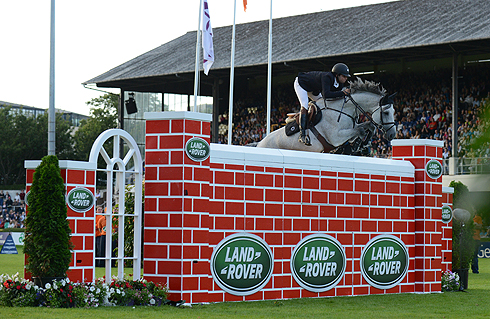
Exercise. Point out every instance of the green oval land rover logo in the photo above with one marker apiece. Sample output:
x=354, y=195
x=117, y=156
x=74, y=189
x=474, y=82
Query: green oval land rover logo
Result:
x=433, y=169
x=242, y=264
x=197, y=149
x=80, y=199
x=447, y=214
x=26, y=198
x=384, y=261
x=318, y=262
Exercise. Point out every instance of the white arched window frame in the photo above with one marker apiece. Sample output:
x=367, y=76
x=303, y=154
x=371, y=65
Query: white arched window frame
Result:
x=116, y=169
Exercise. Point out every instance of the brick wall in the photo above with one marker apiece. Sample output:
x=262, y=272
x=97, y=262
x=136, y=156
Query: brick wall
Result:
x=82, y=225
x=428, y=208
x=282, y=197
x=447, y=230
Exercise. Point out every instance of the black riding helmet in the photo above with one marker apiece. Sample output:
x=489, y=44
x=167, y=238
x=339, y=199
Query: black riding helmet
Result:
x=341, y=68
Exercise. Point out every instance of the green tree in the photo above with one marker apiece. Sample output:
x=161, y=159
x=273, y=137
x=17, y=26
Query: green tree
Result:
x=463, y=243
x=480, y=146
x=103, y=116
x=26, y=138
x=48, y=236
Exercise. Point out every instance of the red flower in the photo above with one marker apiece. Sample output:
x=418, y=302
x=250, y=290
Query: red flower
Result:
x=61, y=290
x=18, y=287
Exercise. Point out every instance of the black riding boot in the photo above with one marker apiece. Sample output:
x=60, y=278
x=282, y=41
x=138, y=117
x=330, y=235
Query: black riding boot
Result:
x=303, y=125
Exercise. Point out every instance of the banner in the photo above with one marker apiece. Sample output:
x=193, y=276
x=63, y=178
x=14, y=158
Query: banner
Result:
x=207, y=39
x=9, y=246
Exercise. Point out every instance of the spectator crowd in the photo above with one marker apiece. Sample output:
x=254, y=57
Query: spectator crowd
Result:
x=13, y=210
x=423, y=109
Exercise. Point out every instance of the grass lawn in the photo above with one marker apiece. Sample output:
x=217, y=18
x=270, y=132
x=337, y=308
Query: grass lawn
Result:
x=473, y=303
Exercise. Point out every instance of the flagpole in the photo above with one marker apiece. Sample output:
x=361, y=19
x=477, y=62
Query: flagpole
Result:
x=198, y=55
x=269, y=76
x=51, y=110
x=232, y=78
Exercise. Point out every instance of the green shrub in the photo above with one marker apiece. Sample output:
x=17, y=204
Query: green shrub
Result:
x=47, y=242
x=463, y=242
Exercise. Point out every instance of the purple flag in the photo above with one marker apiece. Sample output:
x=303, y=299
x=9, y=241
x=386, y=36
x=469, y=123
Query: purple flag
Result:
x=207, y=39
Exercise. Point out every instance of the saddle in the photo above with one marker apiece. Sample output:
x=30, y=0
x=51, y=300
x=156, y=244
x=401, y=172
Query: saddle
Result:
x=314, y=117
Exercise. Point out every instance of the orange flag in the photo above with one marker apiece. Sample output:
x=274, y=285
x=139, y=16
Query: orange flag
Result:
x=245, y=5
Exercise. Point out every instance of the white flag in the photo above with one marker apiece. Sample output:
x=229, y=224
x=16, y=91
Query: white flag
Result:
x=207, y=39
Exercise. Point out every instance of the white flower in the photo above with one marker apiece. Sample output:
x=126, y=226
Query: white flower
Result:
x=55, y=286
x=118, y=291
x=48, y=285
x=152, y=301
x=111, y=291
x=98, y=291
x=92, y=288
x=123, y=293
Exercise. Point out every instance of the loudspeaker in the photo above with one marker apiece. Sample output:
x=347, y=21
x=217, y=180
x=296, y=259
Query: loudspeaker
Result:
x=131, y=105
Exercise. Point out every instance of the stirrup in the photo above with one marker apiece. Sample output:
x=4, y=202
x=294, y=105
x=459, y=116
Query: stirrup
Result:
x=305, y=139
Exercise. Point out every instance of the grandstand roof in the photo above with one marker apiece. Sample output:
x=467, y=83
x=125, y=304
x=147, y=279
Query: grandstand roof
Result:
x=392, y=32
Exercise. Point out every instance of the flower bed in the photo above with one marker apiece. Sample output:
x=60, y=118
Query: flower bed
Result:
x=450, y=281
x=19, y=292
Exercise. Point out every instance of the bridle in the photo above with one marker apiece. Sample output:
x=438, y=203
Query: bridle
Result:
x=381, y=126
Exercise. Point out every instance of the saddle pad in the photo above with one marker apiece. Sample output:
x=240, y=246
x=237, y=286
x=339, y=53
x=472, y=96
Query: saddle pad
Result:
x=291, y=128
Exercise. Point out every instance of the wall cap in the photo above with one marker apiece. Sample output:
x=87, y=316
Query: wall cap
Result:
x=183, y=115
x=417, y=142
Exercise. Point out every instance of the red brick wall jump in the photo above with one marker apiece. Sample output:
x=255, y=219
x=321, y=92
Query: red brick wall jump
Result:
x=82, y=225
x=282, y=197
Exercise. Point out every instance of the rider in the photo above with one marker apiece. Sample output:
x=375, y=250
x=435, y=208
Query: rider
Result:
x=317, y=85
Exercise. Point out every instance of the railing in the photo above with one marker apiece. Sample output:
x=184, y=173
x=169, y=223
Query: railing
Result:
x=468, y=165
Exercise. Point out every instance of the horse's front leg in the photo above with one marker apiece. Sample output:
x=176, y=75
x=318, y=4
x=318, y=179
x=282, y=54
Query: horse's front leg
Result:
x=364, y=129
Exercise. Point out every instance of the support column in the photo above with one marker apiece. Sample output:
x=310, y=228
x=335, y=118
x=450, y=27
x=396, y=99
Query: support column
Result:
x=176, y=248
x=428, y=212
x=215, y=132
x=453, y=164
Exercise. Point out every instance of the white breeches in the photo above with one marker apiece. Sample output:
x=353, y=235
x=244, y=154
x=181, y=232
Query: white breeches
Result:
x=303, y=95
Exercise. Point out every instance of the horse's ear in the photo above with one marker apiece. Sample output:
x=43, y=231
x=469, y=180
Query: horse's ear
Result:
x=391, y=98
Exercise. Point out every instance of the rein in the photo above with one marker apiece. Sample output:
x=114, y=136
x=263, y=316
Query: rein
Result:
x=366, y=114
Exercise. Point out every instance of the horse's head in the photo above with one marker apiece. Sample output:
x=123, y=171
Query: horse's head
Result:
x=375, y=101
x=385, y=115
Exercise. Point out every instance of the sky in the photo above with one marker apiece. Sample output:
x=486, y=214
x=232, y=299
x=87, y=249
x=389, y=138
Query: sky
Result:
x=94, y=36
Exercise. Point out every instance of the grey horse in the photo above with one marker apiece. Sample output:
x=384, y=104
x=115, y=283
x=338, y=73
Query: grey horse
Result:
x=339, y=123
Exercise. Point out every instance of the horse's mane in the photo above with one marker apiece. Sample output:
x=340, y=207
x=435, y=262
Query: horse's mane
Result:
x=366, y=86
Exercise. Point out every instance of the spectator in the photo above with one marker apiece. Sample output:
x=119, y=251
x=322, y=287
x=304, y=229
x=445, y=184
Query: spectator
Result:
x=22, y=196
x=100, y=234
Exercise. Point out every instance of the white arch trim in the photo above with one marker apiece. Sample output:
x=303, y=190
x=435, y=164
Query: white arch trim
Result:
x=112, y=163
x=107, y=134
